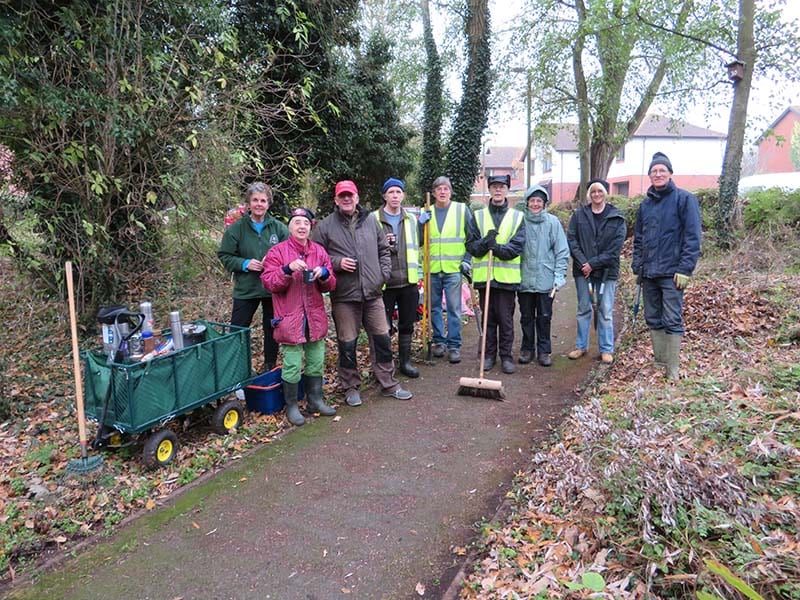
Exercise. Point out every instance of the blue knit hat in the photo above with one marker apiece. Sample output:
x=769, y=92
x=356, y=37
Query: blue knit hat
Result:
x=392, y=182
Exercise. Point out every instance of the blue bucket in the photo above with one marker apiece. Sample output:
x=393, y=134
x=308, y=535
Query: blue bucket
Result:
x=265, y=393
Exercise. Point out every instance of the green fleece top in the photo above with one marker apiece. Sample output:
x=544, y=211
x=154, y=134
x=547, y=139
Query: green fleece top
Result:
x=242, y=242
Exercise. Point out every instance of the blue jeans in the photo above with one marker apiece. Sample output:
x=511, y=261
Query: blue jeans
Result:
x=663, y=305
x=448, y=284
x=605, y=314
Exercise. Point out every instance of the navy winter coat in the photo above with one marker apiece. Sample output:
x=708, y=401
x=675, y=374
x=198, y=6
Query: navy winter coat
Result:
x=599, y=246
x=666, y=239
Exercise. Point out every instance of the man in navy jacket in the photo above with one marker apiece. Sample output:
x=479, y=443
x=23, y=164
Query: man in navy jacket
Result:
x=666, y=247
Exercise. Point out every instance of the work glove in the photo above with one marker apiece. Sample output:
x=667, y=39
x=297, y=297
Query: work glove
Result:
x=466, y=269
x=424, y=216
x=681, y=280
x=489, y=240
x=559, y=281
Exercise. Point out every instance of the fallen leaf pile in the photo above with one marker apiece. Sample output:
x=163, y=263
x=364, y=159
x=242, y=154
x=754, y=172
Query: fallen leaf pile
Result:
x=649, y=482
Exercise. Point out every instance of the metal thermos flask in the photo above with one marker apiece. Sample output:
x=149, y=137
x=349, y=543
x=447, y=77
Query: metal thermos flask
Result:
x=146, y=308
x=176, y=328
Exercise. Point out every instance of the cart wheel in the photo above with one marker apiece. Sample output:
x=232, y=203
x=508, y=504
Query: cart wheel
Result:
x=228, y=416
x=160, y=448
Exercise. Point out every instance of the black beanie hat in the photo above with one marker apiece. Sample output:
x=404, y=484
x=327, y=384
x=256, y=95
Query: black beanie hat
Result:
x=659, y=158
x=302, y=212
x=602, y=182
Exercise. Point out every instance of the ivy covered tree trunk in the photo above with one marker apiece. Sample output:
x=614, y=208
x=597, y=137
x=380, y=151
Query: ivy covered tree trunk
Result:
x=464, y=148
x=734, y=147
x=433, y=111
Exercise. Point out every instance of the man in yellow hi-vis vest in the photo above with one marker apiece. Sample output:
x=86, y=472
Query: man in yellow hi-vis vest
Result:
x=503, y=235
x=452, y=227
x=402, y=233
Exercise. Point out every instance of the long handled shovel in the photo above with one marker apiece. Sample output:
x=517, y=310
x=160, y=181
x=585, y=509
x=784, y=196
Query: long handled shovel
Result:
x=85, y=463
x=427, y=333
x=480, y=387
x=636, y=305
x=476, y=308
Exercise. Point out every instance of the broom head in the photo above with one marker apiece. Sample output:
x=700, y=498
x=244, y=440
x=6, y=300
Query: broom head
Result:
x=481, y=388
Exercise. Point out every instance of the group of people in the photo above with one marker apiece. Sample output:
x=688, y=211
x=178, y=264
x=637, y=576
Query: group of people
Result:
x=370, y=264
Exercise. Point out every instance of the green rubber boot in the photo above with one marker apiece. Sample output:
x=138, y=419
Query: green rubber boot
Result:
x=659, y=339
x=290, y=398
x=315, y=403
x=673, y=356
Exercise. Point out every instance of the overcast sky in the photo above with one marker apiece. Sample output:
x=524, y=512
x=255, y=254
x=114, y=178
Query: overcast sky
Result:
x=762, y=109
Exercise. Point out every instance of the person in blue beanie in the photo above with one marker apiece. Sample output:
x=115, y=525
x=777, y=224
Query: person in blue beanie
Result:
x=666, y=248
x=402, y=234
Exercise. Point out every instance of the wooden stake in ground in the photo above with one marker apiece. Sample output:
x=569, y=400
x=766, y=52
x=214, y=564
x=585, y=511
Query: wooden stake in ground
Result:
x=427, y=337
x=480, y=387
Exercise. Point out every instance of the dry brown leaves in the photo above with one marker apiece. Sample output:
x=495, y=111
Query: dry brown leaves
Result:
x=622, y=466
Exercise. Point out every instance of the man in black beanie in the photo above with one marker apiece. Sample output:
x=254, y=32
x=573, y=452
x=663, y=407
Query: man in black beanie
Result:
x=666, y=247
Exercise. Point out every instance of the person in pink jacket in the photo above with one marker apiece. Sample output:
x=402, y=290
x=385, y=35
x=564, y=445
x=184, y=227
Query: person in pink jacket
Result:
x=297, y=271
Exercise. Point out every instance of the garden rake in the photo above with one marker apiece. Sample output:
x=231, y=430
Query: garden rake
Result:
x=85, y=463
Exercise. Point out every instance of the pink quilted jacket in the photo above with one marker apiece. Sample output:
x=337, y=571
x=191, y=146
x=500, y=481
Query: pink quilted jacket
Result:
x=296, y=303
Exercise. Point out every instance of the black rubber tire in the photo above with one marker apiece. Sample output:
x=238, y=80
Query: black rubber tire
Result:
x=160, y=449
x=228, y=415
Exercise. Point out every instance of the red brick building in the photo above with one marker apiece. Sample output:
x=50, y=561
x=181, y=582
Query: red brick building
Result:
x=775, y=144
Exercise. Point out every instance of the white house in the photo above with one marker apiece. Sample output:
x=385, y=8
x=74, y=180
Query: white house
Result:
x=695, y=152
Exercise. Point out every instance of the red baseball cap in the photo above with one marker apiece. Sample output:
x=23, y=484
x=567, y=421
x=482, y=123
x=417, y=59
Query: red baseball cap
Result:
x=345, y=186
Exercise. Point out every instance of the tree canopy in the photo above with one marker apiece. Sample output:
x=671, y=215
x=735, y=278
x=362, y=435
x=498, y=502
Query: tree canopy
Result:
x=115, y=113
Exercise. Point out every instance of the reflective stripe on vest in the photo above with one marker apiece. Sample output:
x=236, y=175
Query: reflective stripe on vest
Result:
x=412, y=244
x=449, y=245
x=503, y=271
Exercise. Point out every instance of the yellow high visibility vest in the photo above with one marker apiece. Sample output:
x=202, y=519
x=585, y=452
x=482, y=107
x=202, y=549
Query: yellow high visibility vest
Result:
x=411, y=236
x=503, y=271
x=448, y=246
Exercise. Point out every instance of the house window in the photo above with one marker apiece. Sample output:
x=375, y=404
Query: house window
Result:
x=621, y=154
x=547, y=163
x=621, y=188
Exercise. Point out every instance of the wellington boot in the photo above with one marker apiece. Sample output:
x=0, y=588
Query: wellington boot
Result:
x=659, y=339
x=290, y=398
x=404, y=352
x=673, y=356
x=315, y=402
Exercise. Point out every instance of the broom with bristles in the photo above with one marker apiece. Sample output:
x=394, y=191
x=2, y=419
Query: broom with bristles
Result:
x=480, y=387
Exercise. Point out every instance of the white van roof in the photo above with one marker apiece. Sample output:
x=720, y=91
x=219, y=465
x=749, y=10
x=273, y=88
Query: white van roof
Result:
x=765, y=181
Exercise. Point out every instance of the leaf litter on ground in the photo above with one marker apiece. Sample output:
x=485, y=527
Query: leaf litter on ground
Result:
x=646, y=479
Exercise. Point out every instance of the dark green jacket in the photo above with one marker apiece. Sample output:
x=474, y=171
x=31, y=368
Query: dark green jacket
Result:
x=242, y=242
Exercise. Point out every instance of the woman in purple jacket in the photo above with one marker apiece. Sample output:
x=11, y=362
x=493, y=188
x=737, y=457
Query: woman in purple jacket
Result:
x=297, y=272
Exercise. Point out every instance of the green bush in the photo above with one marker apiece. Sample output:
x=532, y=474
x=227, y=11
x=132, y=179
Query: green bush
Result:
x=767, y=209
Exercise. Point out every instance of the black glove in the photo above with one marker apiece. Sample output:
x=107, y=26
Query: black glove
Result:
x=488, y=241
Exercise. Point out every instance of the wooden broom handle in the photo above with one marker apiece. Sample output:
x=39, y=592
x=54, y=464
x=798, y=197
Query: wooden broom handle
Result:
x=76, y=362
x=486, y=311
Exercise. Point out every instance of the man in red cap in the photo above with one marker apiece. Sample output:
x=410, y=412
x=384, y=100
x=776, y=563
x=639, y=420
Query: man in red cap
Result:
x=361, y=260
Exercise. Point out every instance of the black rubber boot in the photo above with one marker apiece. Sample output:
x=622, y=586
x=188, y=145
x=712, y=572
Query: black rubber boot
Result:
x=290, y=398
x=315, y=402
x=404, y=351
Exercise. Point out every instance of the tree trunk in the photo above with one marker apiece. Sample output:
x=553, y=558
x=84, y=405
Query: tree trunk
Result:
x=734, y=147
x=464, y=148
x=433, y=110
x=582, y=107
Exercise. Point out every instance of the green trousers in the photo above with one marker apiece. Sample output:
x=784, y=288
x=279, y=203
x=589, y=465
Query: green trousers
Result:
x=292, y=367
